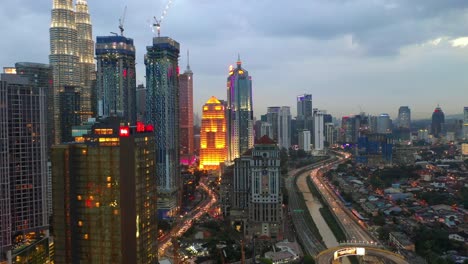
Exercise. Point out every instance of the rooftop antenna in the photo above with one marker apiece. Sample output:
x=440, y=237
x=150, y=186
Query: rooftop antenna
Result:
x=157, y=22
x=122, y=21
x=188, y=60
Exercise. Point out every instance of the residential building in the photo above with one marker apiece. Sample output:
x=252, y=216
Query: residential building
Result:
x=162, y=111
x=24, y=223
x=240, y=136
x=105, y=196
x=304, y=140
x=330, y=134
x=116, y=78
x=213, y=135
x=319, y=138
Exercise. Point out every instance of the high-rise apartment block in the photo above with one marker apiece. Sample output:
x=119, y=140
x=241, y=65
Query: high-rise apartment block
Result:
x=319, y=136
x=24, y=223
x=116, y=78
x=104, y=193
x=304, y=140
x=213, y=135
x=186, y=111
x=330, y=134
x=239, y=112
x=162, y=111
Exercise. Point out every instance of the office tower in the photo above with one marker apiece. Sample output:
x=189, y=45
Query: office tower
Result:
x=273, y=117
x=86, y=70
x=304, y=140
x=304, y=107
x=24, y=223
x=212, y=135
x=330, y=134
x=116, y=78
x=140, y=102
x=265, y=197
x=438, y=122
x=40, y=75
x=240, y=111
x=305, y=117
x=162, y=110
x=69, y=100
x=284, y=127
x=384, y=124
x=63, y=54
x=372, y=123
x=375, y=149
x=423, y=134
x=318, y=131
x=350, y=128
x=404, y=117
x=465, y=122
x=186, y=110
x=105, y=196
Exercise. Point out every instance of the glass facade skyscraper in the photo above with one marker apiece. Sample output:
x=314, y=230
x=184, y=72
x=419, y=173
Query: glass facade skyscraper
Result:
x=404, y=117
x=24, y=223
x=438, y=122
x=186, y=111
x=105, y=196
x=116, y=78
x=162, y=110
x=239, y=112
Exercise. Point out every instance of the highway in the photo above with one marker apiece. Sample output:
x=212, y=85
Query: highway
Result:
x=186, y=221
x=311, y=244
x=385, y=256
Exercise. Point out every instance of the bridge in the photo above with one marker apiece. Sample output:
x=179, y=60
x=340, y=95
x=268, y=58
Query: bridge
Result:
x=358, y=248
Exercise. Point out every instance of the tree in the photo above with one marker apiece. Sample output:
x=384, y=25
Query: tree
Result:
x=266, y=261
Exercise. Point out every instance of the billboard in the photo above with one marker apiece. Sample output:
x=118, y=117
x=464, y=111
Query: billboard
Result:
x=344, y=252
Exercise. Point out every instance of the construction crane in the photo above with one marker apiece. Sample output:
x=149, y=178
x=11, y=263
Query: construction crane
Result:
x=122, y=21
x=157, y=22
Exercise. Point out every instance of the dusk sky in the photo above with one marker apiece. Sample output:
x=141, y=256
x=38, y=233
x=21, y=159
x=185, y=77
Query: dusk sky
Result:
x=351, y=55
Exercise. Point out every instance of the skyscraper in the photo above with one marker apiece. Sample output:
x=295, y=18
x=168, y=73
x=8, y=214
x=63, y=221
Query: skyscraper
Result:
x=465, y=122
x=318, y=131
x=86, y=69
x=105, y=196
x=140, y=102
x=213, y=135
x=40, y=75
x=304, y=140
x=69, y=100
x=284, y=127
x=384, y=124
x=24, y=224
x=264, y=195
x=273, y=117
x=116, y=78
x=404, y=117
x=240, y=111
x=186, y=110
x=63, y=54
x=438, y=122
x=304, y=113
x=162, y=110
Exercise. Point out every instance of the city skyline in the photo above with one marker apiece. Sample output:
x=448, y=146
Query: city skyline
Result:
x=392, y=47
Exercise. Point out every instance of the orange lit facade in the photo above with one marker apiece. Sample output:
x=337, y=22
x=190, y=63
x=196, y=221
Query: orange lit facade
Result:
x=213, y=135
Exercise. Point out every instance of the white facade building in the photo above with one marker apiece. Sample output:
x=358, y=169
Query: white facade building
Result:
x=319, y=138
x=304, y=140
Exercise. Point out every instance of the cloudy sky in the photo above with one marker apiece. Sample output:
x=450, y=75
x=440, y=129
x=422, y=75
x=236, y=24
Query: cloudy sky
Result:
x=351, y=55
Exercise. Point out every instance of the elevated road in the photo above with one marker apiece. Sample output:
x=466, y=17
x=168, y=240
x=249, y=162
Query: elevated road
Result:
x=387, y=257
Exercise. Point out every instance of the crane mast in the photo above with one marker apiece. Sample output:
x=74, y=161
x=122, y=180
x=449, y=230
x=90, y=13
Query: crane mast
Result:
x=157, y=22
x=122, y=21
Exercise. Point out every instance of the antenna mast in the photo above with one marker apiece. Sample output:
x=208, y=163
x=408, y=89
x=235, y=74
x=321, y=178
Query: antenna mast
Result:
x=157, y=22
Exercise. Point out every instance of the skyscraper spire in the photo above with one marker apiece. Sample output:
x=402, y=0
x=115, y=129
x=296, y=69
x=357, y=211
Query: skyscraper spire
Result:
x=238, y=60
x=188, y=60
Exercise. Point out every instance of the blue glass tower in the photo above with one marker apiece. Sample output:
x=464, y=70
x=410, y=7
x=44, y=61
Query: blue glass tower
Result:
x=240, y=112
x=162, y=110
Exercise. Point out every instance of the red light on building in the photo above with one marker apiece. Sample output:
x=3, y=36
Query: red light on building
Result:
x=140, y=127
x=124, y=131
x=125, y=73
x=149, y=128
x=89, y=203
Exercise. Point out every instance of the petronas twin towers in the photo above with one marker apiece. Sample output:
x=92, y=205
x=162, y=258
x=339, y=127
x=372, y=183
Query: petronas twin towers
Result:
x=71, y=57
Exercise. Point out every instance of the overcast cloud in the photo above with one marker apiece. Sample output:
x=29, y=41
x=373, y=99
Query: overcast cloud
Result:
x=352, y=55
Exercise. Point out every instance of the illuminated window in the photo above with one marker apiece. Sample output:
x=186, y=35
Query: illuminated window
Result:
x=109, y=179
x=85, y=236
x=109, y=185
x=80, y=223
x=116, y=212
x=79, y=198
x=98, y=204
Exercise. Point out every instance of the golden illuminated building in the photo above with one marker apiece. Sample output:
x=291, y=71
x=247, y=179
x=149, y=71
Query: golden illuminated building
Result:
x=213, y=135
